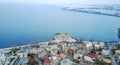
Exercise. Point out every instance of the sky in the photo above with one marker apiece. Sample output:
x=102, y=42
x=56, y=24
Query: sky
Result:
x=65, y=2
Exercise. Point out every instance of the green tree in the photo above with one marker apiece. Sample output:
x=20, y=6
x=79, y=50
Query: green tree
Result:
x=97, y=62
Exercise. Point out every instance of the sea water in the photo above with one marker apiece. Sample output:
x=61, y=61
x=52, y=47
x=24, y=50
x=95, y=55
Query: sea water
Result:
x=25, y=23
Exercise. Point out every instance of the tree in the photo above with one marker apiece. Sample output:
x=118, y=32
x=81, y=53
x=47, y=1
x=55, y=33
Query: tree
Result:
x=97, y=62
x=32, y=60
x=14, y=50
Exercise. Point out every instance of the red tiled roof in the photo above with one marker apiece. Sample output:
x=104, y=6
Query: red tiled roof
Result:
x=93, y=55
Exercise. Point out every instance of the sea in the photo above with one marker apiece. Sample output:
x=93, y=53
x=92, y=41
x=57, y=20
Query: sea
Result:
x=22, y=24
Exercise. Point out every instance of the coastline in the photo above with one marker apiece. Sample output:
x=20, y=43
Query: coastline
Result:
x=43, y=43
x=59, y=49
x=22, y=46
x=87, y=10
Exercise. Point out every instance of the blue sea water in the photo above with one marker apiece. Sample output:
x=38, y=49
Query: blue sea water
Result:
x=25, y=23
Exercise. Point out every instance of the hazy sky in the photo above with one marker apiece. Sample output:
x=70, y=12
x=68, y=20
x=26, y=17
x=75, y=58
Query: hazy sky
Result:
x=60, y=2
